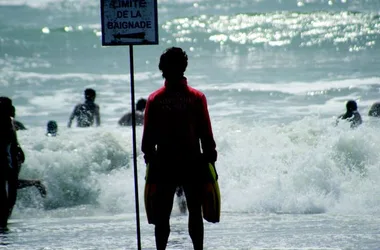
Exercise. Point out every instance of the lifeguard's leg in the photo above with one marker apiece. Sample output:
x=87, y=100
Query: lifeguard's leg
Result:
x=194, y=203
x=165, y=193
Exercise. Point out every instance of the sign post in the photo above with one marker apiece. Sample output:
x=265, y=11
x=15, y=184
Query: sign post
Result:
x=130, y=22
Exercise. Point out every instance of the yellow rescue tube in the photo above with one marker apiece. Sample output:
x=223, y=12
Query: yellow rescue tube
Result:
x=211, y=196
x=150, y=192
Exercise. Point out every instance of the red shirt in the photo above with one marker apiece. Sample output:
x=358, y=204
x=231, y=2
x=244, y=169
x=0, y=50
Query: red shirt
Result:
x=176, y=122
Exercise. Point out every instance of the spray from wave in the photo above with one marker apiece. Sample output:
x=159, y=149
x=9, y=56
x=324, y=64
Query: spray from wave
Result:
x=306, y=166
x=72, y=165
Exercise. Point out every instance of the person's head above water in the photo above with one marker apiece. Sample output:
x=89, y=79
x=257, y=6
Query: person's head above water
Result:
x=51, y=128
x=140, y=105
x=89, y=94
x=374, y=111
x=351, y=106
x=6, y=107
x=173, y=63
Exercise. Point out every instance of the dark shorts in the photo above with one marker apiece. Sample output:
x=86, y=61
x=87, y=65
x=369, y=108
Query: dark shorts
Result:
x=165, y=198
x=169, y=177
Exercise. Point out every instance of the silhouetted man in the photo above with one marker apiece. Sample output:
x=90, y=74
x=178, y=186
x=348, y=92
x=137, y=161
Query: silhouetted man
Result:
x=176, y=126
x=86, y=113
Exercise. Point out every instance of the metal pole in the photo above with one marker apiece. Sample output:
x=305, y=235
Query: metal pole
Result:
x=134, y=146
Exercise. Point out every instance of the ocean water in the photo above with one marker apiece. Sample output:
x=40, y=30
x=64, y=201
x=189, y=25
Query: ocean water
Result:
x=276, y=74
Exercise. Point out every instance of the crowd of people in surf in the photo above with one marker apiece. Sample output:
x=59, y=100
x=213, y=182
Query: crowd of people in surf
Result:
x=86, y=114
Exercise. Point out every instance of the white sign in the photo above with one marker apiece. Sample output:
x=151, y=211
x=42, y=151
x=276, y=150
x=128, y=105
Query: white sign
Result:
x=129, y=22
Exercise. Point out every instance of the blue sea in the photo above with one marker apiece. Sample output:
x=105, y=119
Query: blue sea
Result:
x=276, y=74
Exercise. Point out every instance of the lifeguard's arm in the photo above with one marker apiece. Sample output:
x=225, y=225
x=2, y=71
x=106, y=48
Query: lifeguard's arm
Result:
x=148, y=145
x=72, y=116
x=206, y=135
x=97, y=115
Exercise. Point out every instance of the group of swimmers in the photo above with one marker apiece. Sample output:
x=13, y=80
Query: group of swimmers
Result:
x=87, y=114
x=353, y=116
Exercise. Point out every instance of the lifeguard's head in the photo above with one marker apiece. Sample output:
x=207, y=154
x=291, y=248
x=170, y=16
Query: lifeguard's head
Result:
x=173, y=63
